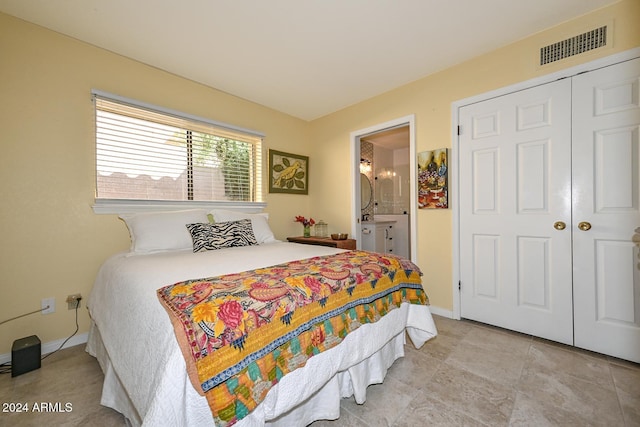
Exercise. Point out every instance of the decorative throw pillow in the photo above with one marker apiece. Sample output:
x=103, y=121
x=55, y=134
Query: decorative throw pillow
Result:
x=208, y=237
x=162, y=231
x=259, y=222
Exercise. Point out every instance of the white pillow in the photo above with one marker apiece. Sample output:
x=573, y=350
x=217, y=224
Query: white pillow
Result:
x=162, y=231
x=259, y=223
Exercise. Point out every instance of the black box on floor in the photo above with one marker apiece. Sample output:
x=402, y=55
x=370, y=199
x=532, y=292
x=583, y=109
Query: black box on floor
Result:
x=25, y=355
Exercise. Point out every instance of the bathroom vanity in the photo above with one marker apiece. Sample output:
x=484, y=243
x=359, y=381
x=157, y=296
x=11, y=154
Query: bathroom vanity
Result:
x=377, y=236
x=387, y=234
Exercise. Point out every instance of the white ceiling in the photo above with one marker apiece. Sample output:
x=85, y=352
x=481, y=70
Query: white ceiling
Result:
x=307, y=58
x=391, y=139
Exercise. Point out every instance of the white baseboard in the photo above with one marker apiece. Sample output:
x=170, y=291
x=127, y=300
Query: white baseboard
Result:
x=53, y=345
x=441, y=312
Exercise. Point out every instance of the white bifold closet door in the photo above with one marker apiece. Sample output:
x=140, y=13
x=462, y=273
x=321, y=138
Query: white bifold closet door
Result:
x=549, y=200
x=515, y=173
x=606, y=210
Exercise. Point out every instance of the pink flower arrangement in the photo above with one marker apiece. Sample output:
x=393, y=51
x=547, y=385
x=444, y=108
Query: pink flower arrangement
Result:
x=306, y=222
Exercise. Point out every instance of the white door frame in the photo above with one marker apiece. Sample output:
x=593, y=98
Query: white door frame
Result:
x=355, y=137
x=454, y=190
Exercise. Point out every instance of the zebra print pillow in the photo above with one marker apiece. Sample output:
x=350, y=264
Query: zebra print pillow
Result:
x=208, y=237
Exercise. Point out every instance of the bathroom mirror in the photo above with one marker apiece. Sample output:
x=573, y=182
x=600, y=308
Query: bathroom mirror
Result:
x=365, y=191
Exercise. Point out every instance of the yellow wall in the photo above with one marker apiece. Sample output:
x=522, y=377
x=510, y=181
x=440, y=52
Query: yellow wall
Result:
x=430, y=100
x=53, y=243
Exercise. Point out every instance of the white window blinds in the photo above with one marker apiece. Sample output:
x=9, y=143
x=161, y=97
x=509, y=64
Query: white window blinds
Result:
x=145, y=153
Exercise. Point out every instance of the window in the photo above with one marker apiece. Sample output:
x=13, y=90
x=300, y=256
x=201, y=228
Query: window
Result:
x=148, y=153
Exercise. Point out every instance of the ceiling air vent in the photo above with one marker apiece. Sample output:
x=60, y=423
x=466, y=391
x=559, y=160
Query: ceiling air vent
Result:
x=575, y=45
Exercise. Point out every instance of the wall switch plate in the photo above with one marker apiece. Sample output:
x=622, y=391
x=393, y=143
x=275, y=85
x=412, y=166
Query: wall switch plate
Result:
x=51, y=303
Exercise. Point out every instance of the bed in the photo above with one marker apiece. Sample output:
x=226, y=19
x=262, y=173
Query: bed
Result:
x=146, y=370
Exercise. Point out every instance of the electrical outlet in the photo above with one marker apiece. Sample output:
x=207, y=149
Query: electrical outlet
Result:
x=48, y=305
x=73, y=301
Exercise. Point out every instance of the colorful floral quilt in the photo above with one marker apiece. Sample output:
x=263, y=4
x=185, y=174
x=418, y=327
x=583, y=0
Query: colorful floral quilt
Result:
x=240, y=333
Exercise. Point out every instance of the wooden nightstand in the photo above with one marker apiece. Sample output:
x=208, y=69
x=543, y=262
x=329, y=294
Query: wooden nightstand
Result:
x=324, y=241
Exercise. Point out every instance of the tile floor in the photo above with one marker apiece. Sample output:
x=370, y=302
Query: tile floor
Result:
x=477, y=375
x=470, y=374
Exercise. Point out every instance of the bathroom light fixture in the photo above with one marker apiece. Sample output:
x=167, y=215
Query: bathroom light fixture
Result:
x=365, y=165
x=386, y=173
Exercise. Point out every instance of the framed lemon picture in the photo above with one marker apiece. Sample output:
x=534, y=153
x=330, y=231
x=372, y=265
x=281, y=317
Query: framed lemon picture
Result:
x=288, y=173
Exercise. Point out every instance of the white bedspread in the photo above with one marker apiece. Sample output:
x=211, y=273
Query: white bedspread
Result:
x=141, y=355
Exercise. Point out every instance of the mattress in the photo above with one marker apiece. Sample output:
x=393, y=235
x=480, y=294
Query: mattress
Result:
x=145, y=372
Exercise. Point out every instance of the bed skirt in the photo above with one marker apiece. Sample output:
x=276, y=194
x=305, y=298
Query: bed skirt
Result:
x=369, y=366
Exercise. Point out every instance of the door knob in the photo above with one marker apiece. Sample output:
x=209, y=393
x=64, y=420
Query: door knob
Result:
x=584, y=226
x=559, y=225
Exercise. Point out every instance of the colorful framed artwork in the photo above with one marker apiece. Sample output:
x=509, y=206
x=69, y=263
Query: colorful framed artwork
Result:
x=288, y=173
x=433, y=182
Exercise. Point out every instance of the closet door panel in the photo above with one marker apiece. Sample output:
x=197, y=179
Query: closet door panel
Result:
x=606, y=209
x=515, y=175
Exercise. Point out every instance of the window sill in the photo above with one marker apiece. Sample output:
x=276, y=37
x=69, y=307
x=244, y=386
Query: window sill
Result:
x=116, y=206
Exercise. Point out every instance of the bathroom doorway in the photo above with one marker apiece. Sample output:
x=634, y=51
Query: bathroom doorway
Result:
x=384, y=183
